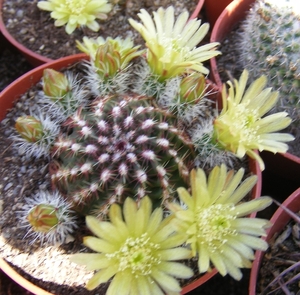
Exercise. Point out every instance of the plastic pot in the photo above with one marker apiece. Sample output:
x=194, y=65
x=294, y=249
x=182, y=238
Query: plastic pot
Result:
x=13, y=91
x=226, y=22
x=33, y=58
x=279, y=221
x=214, y=8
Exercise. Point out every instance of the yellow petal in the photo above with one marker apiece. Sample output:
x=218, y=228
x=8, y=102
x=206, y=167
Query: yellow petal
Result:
x=101, y=276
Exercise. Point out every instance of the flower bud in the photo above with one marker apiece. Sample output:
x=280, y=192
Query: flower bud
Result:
x=192, y=87
x=43, y=218
x=29, y=128
x=56, y=84
x=107, y=60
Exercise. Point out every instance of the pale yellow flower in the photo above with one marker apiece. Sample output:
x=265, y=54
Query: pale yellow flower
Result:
x=137, y=251
x=241, y=128
x=76, y=13
x=214, y=220
x=172, y=43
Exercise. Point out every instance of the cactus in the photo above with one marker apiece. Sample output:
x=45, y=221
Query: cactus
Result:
x=270, y=45
x=122, y=146
x=132, y=124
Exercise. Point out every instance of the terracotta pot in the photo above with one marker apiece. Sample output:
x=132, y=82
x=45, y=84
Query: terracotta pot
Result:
x=197, y=9
x=229, y=18
x=12, y=92
x=2, y=42
x=32, y=57
x=279, y=221
x=214, y=8
x=36, y=59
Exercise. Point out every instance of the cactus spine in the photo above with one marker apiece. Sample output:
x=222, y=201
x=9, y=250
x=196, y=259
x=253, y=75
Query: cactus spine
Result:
x=270, y=45
x=122, y=146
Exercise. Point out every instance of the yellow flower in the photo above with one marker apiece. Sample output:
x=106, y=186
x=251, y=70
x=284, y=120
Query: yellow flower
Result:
x=172, y=44
x=76, y=13
x=240, y=127
x=213, y=220
x=137, y=251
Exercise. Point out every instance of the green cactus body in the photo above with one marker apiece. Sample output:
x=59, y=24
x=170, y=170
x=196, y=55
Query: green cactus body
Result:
x=122, y=146
x=270, y=45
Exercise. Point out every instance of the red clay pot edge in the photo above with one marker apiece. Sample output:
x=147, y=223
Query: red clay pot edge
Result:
x=197, y=9
x=214, y=8
x=230, y=16
x=279, y=220
x=33, y=58
x=23, y=83
x=7, y=269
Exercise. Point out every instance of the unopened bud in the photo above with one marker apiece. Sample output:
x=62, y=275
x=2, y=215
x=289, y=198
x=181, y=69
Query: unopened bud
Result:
x=55, y=84
x=29, y=128
x=43, y=218
x=192, y=87
x=107, y=60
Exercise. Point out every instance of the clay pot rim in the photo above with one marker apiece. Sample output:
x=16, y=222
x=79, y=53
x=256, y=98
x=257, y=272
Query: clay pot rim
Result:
x=279, y=220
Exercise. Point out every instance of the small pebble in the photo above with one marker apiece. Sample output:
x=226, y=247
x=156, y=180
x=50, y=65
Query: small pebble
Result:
x=8, y=186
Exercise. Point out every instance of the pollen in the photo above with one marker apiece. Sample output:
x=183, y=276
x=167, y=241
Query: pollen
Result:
x=76, y=7
x=139, y=255
x=214, y=225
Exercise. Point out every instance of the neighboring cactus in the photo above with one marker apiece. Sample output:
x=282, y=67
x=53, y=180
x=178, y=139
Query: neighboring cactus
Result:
x=122, y=146
x=270, y=45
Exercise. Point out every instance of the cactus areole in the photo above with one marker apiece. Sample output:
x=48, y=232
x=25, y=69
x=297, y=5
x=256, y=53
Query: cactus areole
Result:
x=120, y=146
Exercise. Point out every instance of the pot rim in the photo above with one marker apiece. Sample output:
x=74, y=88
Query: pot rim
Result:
x=279, y=220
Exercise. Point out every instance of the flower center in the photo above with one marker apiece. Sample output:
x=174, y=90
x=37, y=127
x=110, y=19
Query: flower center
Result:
x=214, y=225
x=137, y=255
x=77, y=6
x=242, y=124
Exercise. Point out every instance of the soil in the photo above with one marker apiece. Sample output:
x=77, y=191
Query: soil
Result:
x=283, y=253
x=36, y=31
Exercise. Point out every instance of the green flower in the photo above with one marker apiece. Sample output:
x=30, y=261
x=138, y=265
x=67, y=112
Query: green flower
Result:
x=124, y=46
x=213, y=220
x=138, y=251
x=240, y=127
x=172, y=44
x=114, y=55
x=76, y=13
